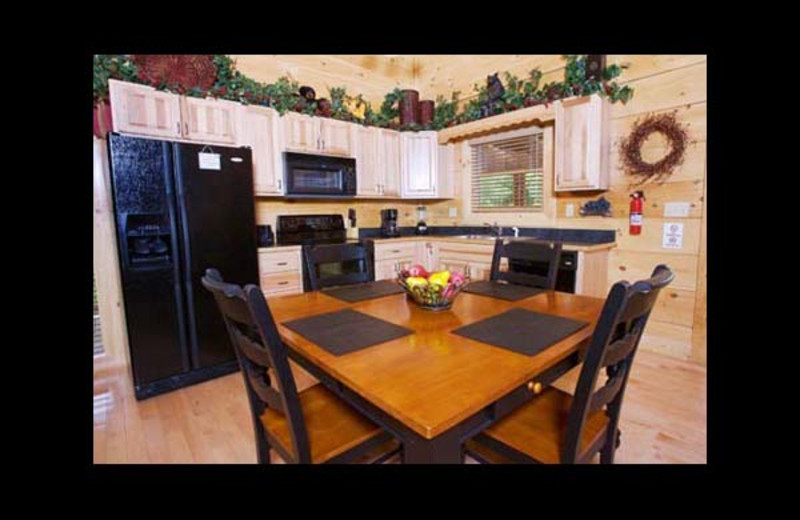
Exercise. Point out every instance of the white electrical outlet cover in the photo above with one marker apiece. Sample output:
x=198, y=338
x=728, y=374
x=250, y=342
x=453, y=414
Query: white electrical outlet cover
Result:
x=453, y=212
x=570, y=210
x=676, y=209
x=672, y=237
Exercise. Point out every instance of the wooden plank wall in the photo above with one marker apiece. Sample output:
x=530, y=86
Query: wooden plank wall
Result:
x=662, y=83
x=371, y=75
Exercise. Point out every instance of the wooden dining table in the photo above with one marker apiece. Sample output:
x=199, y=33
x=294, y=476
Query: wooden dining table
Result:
x=434, y=389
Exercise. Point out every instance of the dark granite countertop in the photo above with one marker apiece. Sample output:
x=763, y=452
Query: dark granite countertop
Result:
x=568, y=236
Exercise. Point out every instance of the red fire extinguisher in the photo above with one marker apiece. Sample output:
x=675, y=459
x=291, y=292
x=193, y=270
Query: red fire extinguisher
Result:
x=637, y=198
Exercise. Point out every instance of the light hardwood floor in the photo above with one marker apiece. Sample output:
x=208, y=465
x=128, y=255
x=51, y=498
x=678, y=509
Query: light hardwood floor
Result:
x=663, y=418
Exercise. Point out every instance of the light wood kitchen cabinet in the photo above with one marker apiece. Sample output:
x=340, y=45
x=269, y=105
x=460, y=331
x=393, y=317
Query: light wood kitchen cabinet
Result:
x=454, y=256
x=582, y=143
x=280, y=270
x=419, y=163
x=447, y=170
x=306, y=134
x=143, y=110
x=300, y=133
x=389, y=162
x=336, y=137
x=209, y=120
x=260, y=130
x=390, y=253
x=367, y=150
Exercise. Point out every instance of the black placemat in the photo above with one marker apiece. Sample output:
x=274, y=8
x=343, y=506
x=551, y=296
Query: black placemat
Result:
x=364, y=291
x=346, y=331
x=505, y=291
x=522, y=331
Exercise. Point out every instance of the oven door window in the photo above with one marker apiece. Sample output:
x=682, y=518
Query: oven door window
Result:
x=340, y=268
x=316, y=181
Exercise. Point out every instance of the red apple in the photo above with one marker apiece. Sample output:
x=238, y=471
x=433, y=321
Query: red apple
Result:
x=418, y=270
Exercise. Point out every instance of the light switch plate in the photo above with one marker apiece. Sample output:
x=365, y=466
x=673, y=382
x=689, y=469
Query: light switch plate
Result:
x=453, y=212
x=569, y=210
x=676, y=209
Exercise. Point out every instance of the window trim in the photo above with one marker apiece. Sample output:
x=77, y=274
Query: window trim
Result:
x=512, y=216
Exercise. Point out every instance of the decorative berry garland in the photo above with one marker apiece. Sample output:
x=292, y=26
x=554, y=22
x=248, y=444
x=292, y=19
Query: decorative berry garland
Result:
x=631, y=147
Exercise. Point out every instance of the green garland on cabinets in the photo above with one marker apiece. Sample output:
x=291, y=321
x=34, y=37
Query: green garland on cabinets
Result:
x=282, y=95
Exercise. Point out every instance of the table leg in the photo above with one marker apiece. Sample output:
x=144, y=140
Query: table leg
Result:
x=444, y=449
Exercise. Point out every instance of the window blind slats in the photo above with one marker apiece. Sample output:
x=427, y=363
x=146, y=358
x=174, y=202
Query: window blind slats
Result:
x=507, y=174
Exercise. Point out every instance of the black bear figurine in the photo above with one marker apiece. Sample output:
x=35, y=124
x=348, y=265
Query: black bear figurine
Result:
x=494, y=92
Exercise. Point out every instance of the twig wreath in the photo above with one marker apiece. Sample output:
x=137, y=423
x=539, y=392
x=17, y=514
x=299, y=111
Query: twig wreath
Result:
x=631, y=147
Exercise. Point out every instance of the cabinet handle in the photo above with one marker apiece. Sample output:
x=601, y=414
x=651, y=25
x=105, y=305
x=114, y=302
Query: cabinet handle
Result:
x=395, y=250
x=283, y=283
x=178, y=127
x=279, y=184
x=535, y=387
x=282, y=263
x=186, y=126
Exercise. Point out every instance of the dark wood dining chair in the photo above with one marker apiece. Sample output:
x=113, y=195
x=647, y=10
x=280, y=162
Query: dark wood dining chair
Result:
x=556, y=427
x=544, y=254
x=312, y=426
x=317, y=257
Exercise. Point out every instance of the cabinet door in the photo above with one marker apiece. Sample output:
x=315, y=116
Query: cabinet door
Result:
x=446, y=170
x=389, y=162
x=143, y=110
x=209, y=120
x=419, y=164
x=300, y=133
x=366, y=146
x=582, y=144
x=258, y=129
x=336, y=137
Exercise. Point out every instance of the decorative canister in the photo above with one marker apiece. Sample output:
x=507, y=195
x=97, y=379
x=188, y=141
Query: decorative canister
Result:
x=426, y=111
x=409, y=107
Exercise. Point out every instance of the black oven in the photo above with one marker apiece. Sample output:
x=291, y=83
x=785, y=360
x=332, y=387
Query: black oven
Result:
x=319, y=175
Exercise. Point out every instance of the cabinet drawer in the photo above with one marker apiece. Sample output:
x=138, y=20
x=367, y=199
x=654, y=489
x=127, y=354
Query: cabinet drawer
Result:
x=282, y=283
x=385, y=269
x=456, y=247
x=278, y=261
x=395, y=250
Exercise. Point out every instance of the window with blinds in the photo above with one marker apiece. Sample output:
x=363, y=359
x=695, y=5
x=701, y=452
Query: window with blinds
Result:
x=507, y=174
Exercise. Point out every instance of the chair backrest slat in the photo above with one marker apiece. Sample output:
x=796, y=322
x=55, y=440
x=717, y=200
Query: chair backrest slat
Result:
x=526, y=251
x=619, y=349
x=254, y=352
x=261, y=353
x=317, y=256
x=613, y=347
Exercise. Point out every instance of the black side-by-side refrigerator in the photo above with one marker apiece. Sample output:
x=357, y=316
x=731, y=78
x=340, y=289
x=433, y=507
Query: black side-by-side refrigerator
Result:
x=180, y=208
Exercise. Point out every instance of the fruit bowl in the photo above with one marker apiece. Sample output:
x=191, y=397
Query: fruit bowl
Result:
x=434, y=291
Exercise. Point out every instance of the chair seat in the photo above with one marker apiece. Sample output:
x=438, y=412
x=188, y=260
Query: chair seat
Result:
x=333, y=426
x=538, y=428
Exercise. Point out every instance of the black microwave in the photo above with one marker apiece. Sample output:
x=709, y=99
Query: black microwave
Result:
x=319, y=175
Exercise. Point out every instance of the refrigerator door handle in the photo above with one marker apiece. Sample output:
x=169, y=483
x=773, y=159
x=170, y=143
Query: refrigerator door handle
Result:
x=175, y=228
x=185, y=258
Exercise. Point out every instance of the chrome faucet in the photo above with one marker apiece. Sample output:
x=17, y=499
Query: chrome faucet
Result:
x=516, y=231
x=495, y=229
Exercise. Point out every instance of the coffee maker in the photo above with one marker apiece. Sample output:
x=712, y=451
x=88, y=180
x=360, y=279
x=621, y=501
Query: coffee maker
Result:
x=389, y=223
